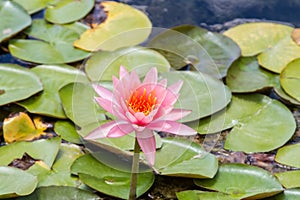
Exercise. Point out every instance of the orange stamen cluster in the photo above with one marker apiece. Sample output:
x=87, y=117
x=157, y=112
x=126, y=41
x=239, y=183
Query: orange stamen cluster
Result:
x=140, y=101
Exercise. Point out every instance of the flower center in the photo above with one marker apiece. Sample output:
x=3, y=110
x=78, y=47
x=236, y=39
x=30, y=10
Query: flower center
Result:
x=141, y=101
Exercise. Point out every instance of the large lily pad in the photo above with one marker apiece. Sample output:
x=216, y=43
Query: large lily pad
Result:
x=109, y=180
x=289, y=179
x=45, y=150
x=290, y=194
x=55, y=47
x=59, y=192
x=16, y=182
x=271, y=41
x=290, y=79
x=17, y=83
x=67, y=11
x=242, y=181
x=53, y=77
x=200, y=93
x=13, y=19
x=201, y=195
x=105, y=64
x=33, y=6
x=67, y=131
x=288, y=155
x=209, y=52
x=190, y=160
x=124, y=26
x=277, y=124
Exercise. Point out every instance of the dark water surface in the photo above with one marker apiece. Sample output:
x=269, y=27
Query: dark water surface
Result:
x=205, y=13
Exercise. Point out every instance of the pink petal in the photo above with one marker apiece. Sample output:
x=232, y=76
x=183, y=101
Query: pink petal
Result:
x=123, y=72
x=151, y=76
x=175, y=88
x=103, y=92
x=120, y=130
x=147, y=143
x=171, y=127
x=101, y=131
x=176, y=114
x=105, y=104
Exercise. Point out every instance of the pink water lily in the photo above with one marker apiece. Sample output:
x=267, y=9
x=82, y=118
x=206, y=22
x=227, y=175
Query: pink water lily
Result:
x=142, y=107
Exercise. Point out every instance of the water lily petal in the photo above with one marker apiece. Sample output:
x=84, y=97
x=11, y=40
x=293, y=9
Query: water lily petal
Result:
x=171, y=127
x=151, y=76
x=102, y=91
x=176, y=114
x=101, y=131
x=120, y=130
x=123, y=72
x=105, y=104
x=147, y=143
x=175, y=88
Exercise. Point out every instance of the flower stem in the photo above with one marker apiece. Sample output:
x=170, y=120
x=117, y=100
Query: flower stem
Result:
x=134, y=170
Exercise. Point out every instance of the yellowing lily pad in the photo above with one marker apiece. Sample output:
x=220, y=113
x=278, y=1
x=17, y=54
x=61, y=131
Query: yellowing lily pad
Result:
x=290, y=79
x=276, y=123
x=242, y=181
x=53, y=77
x=124, y=26
x=66, y=11
x=105, y=64
x=288, y=155
x=55, y=47
x=13, y=19
x=289, y=179
x=17, y=83
x=21, y=128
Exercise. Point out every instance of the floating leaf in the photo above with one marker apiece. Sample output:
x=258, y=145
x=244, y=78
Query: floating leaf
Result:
x=190, y=160
x=59, y=192
x=200, y=93
x=197, y=195
x=67, y=11
x=79, y=105
x=67, y=131
x=55, y=47
x=271, y=41
x=209, y=52
x=290, y=79
x=288, y=155
x=289, y=179
x=109, y=180
x=105, y=64
x=124, y=26
x=277, y=124
x=53, y=78
x=21, y=128
x=45, y=150
x=13, y=19
x=291, y=194
x=245, y=75
x=17, y=83
x=242, y=181
x=33, y=6
x=16, y=182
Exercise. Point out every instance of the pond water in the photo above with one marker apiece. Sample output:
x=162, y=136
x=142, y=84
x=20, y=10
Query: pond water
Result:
x=213, y=14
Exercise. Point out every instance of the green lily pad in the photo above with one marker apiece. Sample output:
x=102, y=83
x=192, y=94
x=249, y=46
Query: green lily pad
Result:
x=79, y=105
x=59, y=192
x=13, y=19
x=242, y=181
x=16, y=182
x=124, y=26
x=55, y=47
x=60, y=172
x=67, y=11
x=209, y=52
x=190, y=160
x=53, y=78
x=33, y=6
x=197, y=195
x=290, y=194
x=17, y=83
x=288, y=155
x=45, y=150
x=200, y=93
x=245, y=75
x=105, y=64
x=290, y=79
x=289, y=179
x=277, y=124
x=271, y=41
x=109, y=180
x=67, y=131
x=254, y=38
